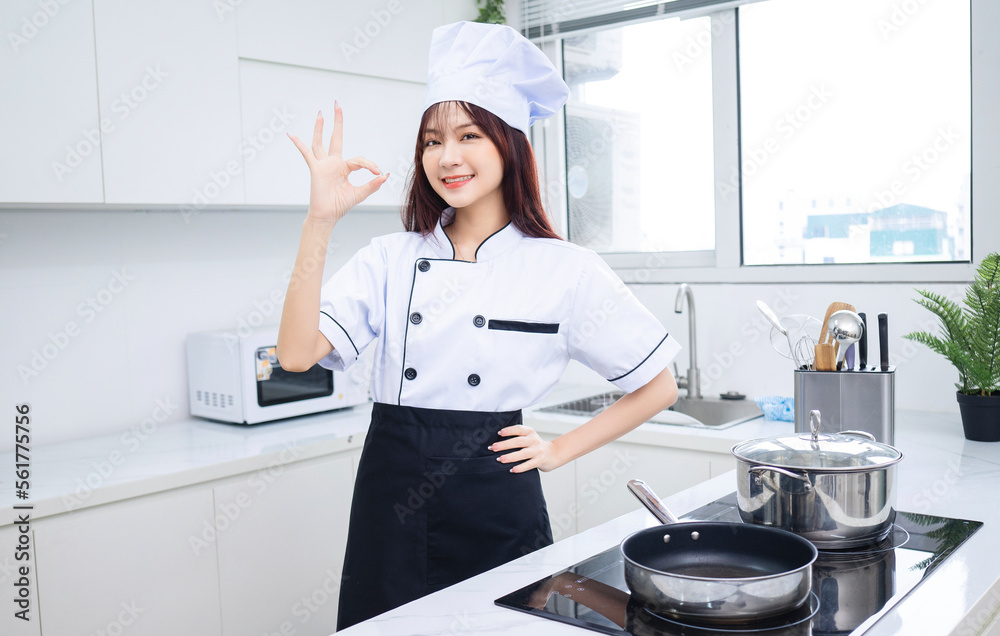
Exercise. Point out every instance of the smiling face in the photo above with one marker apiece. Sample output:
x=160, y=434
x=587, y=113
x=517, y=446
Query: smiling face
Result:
x=462, y=164
x=497, y=157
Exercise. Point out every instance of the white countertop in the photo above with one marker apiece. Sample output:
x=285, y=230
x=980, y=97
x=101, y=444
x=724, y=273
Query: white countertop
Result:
x=941, y=474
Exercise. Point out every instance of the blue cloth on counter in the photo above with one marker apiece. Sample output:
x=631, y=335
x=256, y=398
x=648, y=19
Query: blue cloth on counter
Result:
x=776, y=407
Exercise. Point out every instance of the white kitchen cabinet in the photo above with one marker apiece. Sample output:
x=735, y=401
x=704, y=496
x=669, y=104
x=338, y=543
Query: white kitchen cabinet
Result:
x=719, y=464
x=130, y=567
x=12, y=582
x=282, y=531
x=168, y=86
x=602, y=476
x=50, y=141
x=559, y=488
x=381, y=117
x=375, y=38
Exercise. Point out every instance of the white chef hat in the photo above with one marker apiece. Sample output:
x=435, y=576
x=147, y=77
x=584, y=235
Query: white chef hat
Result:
x=494, y=67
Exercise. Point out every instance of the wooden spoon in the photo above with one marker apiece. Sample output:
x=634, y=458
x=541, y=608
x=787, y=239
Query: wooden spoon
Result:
x=825, y=357
x=825, y=353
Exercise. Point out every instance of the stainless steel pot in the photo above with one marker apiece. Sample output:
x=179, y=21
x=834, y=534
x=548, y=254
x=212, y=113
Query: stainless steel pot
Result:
x=836, y=490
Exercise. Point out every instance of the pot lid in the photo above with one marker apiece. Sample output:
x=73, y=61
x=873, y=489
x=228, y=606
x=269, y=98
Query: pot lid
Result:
x=844, y=451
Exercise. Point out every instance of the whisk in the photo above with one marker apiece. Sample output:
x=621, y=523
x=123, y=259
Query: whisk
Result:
x=801, y=339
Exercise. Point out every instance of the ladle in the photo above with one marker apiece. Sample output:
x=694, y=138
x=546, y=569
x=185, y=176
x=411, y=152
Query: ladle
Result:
x=845, y=327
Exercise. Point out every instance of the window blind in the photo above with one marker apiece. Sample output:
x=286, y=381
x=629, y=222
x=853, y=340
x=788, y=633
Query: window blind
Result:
x=551, y=19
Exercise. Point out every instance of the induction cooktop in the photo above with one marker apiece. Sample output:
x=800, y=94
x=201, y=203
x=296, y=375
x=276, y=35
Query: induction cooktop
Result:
x=851, y=588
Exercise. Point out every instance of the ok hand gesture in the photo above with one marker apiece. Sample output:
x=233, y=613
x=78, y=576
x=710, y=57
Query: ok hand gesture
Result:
x=331, y=195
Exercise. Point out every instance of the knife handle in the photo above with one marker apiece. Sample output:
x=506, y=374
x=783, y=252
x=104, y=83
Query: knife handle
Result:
x=863, y=343
x=883, y=341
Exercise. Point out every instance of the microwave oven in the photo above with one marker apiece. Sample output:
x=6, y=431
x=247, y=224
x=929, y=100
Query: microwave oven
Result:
x=237, y=378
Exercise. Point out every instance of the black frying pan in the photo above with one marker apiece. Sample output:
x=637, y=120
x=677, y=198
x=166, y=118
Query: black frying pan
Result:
x=714, y=571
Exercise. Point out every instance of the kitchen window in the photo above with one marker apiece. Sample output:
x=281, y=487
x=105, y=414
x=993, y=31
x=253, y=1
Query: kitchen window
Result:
x=639, y=168
x=870, y=117
x=833, y=132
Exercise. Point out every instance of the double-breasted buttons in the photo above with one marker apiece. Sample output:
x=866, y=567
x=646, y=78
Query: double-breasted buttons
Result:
x=410, y=373
x=479, y=321
x=415, y=317
x=424, y=265
x=474, y=379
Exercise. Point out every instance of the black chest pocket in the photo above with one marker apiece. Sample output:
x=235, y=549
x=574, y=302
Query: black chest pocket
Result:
x=523, y=326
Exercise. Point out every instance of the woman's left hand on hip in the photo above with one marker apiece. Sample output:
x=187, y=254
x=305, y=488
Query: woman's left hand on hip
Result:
x=531, y=450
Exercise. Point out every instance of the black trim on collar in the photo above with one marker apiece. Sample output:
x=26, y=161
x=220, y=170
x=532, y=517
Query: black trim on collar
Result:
x=521, y=325
x=449, y=242
x=442, y=260
x=476, y=255
x=643, y=360
x=349, y=339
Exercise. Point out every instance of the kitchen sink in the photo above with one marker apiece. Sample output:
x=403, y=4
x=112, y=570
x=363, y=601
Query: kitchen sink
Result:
x=589, y=406
x=712, y=413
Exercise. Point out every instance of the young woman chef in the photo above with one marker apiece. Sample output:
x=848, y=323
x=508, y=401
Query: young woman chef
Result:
x=475, y=312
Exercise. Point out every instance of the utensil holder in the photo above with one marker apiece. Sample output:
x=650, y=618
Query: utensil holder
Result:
x=849, y=400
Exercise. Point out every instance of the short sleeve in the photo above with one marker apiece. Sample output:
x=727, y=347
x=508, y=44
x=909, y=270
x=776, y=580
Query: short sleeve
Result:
x=611, y=332
x=352, y=307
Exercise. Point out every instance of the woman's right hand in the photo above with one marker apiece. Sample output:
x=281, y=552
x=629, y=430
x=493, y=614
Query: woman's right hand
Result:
x=331, y=195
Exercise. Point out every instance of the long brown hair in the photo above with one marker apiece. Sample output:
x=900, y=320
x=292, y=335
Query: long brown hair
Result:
x=520, y=178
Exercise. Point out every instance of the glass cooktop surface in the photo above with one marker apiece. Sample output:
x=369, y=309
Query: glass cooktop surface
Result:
x=851, y=588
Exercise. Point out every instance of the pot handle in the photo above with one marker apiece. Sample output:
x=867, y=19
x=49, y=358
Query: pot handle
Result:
x=649, y=499
x=865, y=434
x=757, y=470
x=814, y=424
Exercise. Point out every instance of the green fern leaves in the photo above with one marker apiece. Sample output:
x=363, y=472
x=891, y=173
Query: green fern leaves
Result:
x=492, y=13
x=970, y=336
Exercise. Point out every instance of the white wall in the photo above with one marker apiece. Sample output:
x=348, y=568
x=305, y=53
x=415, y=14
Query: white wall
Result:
x=154, y=278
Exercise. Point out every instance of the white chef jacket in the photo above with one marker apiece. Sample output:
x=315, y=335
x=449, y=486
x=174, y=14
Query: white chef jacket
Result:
x=493, y=335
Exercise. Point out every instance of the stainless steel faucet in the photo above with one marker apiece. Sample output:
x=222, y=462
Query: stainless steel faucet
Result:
x=692, y=382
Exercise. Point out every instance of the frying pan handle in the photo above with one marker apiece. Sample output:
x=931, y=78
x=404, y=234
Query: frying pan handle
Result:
x=649, y=499
x=757, y=470
x=865, y=434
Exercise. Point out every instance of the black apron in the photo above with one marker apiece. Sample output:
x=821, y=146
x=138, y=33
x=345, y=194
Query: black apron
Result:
x=433, y=507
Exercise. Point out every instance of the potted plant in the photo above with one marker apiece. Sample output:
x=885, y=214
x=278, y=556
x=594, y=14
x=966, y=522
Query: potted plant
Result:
x=492, y=13
x=970, y=340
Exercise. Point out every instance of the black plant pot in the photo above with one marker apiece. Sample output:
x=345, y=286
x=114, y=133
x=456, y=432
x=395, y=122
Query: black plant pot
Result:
x=980, y=416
